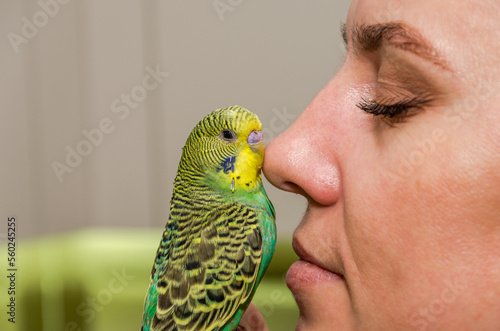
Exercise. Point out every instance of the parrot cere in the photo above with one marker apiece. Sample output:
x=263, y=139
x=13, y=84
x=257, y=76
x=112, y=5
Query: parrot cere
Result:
x=221, y=232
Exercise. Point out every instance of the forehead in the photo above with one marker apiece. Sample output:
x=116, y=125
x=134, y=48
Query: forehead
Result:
x=235, y=118
x=236, y=114
x=466, y=32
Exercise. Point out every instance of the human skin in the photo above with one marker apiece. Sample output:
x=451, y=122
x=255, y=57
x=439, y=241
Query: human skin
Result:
x=402, y=229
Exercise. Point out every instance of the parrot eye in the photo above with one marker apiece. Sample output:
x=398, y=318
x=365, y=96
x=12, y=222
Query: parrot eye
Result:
x=228, y=135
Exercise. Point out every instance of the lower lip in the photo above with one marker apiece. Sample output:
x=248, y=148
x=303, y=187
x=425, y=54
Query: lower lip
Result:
x=303, y=273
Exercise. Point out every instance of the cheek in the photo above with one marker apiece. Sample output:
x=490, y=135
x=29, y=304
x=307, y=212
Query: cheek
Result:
x=404, y=203
x=414, y=204
x=389, y=206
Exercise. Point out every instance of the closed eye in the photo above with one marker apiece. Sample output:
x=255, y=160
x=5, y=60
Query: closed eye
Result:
x=398, y=110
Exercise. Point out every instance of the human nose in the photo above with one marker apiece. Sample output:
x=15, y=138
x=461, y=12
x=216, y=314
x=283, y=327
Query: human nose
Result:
x=304, y=158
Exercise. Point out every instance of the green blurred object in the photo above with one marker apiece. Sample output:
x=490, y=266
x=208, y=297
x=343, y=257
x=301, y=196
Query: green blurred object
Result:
x=96, y=279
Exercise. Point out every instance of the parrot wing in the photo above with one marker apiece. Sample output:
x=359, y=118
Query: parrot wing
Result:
x=212, y=268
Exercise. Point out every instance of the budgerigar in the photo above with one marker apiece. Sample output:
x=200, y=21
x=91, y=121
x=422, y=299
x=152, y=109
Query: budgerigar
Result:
x=221, y=232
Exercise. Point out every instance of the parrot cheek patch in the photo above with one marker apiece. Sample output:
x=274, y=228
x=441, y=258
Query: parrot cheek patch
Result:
x=227, y=164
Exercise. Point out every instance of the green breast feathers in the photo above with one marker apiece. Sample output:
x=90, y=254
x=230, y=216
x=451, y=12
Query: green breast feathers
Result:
x=221, y=232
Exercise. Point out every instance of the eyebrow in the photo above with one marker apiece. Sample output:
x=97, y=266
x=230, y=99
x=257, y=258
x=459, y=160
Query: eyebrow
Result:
x=370, y=38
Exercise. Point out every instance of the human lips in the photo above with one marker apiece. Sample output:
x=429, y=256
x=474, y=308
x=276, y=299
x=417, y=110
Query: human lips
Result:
x=318, y=285
x=309, y=271
x=303, y=273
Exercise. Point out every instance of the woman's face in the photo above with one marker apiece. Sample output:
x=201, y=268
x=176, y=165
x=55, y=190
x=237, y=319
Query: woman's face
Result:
x=402, y=229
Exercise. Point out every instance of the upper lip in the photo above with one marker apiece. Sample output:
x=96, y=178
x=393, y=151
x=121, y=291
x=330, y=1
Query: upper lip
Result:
x=332, y=263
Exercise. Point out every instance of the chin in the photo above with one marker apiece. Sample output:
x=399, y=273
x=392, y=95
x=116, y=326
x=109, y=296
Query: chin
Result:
x=316, y=314
x=322, y=297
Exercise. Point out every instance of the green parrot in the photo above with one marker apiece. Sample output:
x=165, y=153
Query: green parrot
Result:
x=221, y=231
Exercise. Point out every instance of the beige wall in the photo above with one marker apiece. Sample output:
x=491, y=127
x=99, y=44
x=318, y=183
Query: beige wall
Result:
x=69, y=73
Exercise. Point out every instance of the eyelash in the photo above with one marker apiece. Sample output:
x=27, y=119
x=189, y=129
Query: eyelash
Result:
x=398, y=110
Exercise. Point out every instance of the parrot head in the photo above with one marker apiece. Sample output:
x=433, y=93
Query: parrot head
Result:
x=226, y=150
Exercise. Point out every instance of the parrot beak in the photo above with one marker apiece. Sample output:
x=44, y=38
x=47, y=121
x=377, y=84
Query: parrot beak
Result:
x=254, y=140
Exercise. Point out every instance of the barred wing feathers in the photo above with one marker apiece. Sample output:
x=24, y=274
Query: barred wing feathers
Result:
x=210, y=268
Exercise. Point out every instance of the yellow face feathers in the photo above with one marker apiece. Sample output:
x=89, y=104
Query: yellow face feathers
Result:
x=226, y=147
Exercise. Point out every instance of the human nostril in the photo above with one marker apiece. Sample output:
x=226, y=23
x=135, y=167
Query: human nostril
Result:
x=290, y=186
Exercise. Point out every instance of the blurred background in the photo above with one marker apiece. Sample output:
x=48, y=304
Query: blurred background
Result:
x=97, y=98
